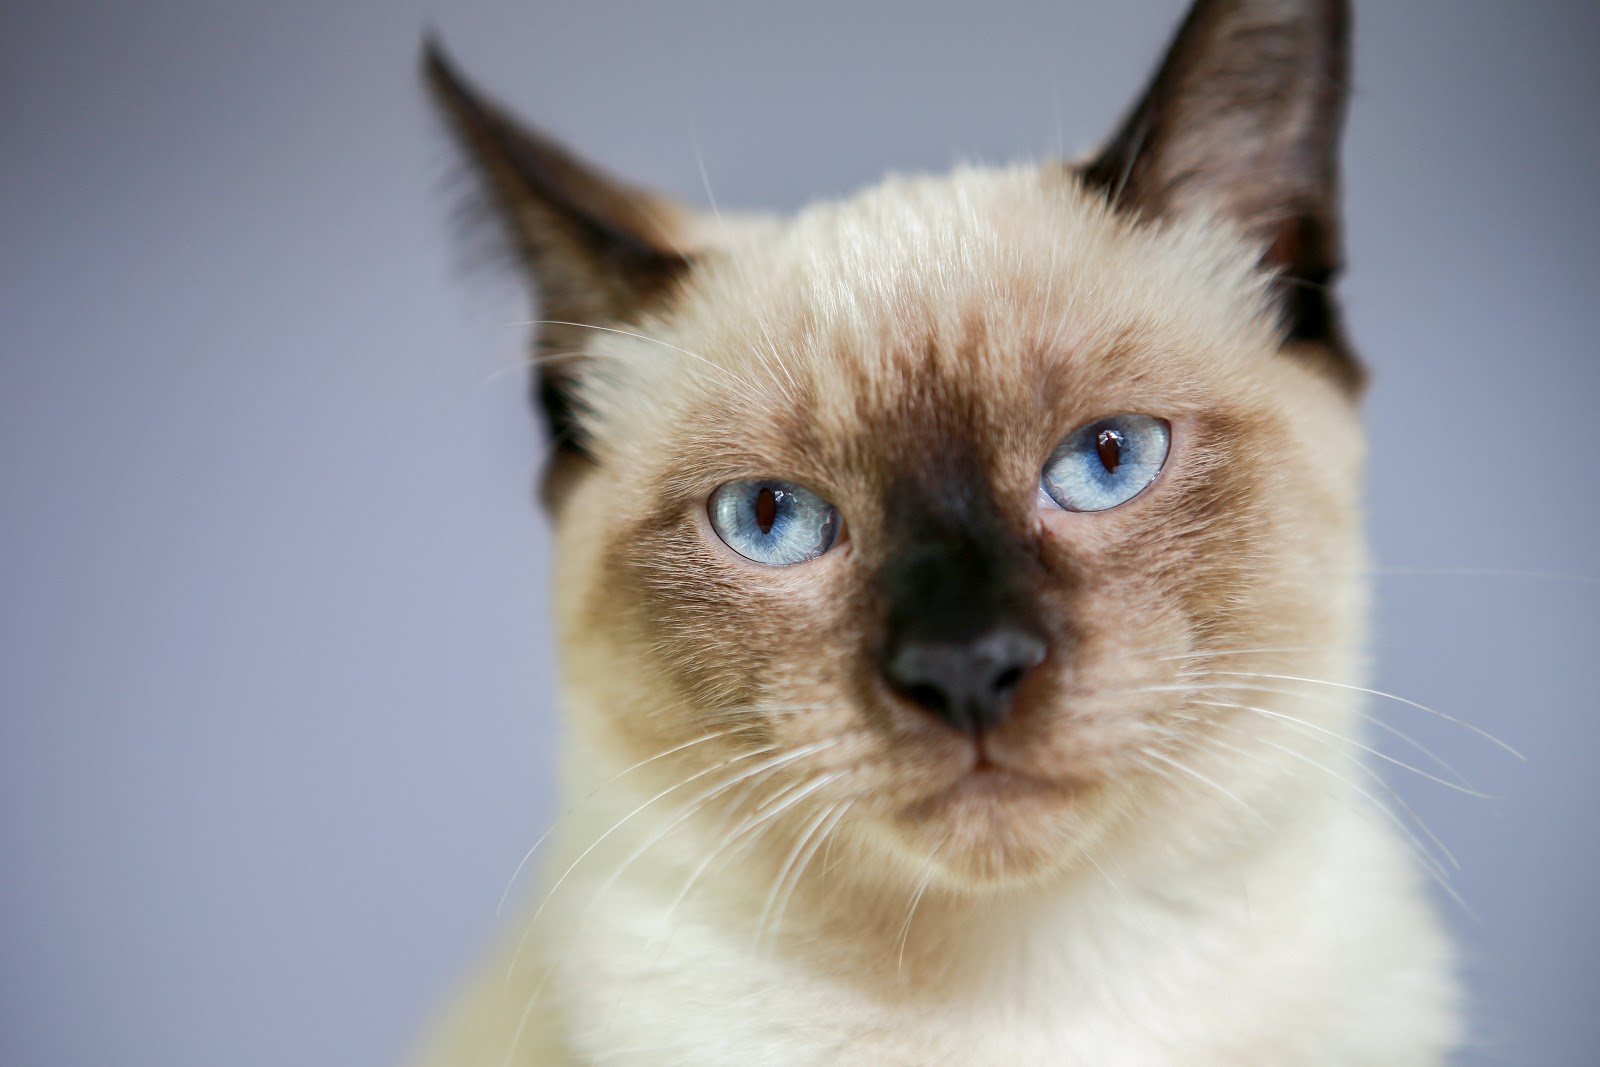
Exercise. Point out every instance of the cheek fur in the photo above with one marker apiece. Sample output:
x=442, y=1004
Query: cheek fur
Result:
x=724, y=633
x=1213, y=558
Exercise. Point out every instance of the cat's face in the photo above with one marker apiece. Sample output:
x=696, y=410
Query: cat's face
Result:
x=948, y=512
x=915, y=357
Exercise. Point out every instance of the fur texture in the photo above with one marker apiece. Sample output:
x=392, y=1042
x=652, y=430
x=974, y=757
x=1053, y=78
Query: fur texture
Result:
x=1165, y=852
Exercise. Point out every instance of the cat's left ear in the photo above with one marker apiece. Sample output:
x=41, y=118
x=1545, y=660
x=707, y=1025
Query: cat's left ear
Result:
x=1243, y=120
x=594, y=250
x=595, y=247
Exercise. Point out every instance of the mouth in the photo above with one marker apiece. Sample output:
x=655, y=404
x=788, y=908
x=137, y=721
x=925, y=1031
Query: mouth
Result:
x=987, y=781
x=990, y=776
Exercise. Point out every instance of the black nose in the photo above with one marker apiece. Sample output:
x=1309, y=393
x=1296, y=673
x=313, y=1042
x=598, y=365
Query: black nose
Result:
x=969, y=684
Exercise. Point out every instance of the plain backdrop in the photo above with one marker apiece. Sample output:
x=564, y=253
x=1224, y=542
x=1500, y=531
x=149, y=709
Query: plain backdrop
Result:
x=276, y=684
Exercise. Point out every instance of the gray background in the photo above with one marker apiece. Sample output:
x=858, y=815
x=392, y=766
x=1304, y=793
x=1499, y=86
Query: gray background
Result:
x=275, y=676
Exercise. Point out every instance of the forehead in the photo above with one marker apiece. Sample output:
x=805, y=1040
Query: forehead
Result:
x=981, y=311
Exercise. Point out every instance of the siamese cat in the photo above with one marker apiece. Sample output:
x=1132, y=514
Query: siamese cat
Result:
x=959, y=588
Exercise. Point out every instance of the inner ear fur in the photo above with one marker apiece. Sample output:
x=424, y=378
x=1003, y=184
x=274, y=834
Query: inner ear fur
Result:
x=594, y=250
x=1242, y=120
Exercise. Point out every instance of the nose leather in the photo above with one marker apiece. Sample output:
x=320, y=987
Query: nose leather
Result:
x=968, y=684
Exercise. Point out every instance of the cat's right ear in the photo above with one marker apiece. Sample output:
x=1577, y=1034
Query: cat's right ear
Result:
x=594, y=250
x=1242, y=120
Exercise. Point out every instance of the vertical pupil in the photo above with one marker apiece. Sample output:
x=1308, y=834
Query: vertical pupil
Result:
x=1109, y=445
x=766, y=509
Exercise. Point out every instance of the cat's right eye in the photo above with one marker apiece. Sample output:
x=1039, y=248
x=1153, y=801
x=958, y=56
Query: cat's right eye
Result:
x=773, y=522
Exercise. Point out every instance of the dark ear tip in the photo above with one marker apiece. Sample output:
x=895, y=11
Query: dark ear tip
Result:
x=437, y=67
x=466, y=105
x=432, y=51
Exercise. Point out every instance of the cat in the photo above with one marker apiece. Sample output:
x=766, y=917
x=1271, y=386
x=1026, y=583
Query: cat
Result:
x=959, y=593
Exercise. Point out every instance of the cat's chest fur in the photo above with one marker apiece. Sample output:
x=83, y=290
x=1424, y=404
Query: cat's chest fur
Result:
x=961, y=597
x=1207, y=970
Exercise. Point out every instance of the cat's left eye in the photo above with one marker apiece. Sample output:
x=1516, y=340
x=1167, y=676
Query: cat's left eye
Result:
x=773, y=522
x=1106, y=463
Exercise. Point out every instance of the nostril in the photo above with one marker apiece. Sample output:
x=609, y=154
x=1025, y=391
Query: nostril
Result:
x=1009, y=679
x=928, y=696
x=1011, y=654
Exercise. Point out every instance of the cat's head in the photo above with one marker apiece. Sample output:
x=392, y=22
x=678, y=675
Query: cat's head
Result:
x=949, y=511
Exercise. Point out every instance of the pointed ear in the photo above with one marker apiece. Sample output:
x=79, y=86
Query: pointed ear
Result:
x=595, y=251
x=1243, y=120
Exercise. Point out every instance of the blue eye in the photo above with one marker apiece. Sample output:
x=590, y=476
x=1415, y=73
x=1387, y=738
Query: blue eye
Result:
x=773, y=522
x=1107, y=463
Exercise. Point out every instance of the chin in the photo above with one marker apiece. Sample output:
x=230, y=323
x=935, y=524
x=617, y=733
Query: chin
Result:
x=993, y=828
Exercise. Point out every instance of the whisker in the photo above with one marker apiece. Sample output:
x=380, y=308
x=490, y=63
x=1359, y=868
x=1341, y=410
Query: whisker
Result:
x=1301, y=727
x=762, y=818
x=1461, y=787
x=688, y=811
x=775, y=761
x=1429, y=863
x=1486, y=735
x=1127, y=168
x=826, y=834
x=528, y=361
x=505, y=894
x=1115, y=885
x=522, y=1020
x=1178, y=651
x=1224, y=790
x=673, y=750
x=526, y=856
x=750, y=714
x=1214, y=653
x=788, y=867
x=1365, y=715
x=916, y=898
x=705, y=176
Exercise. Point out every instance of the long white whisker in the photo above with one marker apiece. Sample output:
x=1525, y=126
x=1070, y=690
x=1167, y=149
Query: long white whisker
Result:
x=1300, y=727
x=1216, y=653
x=1115, y=885
x=1224, y=790
x=522, y=1020
x=840, y=810
x=702, y=739
x=686, y=812
x=775, y=761
x=1352, y=743
x=1486, y=735
x=1427, y=858
x=1365, y=715
x=526, y=856
x=916, y=899
x=762, y=818
x=705, y=176
x=788, y=867
x=749, y=715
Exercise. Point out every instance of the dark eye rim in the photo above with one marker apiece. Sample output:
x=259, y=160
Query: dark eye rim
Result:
x=1171, y=426
x=709, y=532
